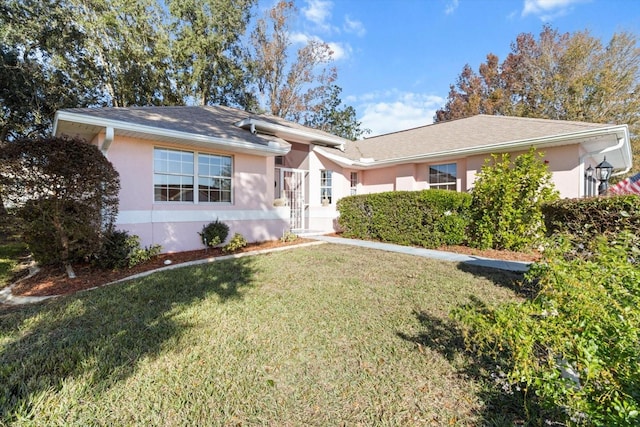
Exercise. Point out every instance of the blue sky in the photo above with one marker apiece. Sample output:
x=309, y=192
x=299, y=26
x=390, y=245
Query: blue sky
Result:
x=396, y=59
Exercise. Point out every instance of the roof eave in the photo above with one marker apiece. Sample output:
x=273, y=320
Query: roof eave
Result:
x=620, y=131
x=272, y=148
x=291, y=134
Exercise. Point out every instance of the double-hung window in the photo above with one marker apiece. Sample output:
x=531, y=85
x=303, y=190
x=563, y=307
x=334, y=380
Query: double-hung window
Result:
x=172, y=175
x=325, y=186
x=176, y=172
x=214, y=178
x=354, y=183
x=443, y=176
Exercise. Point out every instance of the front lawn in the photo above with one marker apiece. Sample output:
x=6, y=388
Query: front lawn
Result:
x=323, y=335
x=9, y=254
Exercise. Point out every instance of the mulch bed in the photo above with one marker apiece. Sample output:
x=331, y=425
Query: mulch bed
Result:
x=54, y=281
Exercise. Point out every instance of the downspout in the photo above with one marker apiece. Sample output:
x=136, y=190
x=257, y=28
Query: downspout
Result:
x=106, y=142
x=605, y=151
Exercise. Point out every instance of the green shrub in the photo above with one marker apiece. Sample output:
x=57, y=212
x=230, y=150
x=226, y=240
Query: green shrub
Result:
x=584, y=219
x=576, y=345
x=42, y=230
x=214, y=233
x=115, y=250
x=139, y=255
x=288, y=237
x=506, y=209
x=237, y=242
x=428, y=218
x=120, y=250
x=66, y=192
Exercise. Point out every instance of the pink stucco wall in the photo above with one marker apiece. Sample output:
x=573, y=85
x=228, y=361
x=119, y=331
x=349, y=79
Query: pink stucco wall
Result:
x=563, y=162
x=175, y=225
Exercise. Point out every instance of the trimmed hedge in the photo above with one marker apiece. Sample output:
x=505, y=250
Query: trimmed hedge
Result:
x=584, y=219
x=428, y=218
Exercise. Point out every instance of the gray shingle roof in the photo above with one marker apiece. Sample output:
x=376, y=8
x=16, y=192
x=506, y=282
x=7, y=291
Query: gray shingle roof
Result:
x=207, y=121
x=472, y=132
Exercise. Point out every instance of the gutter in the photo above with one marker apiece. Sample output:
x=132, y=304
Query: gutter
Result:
x=511, y=145
x=605, y=151
x=287, y=133
x=271, y=147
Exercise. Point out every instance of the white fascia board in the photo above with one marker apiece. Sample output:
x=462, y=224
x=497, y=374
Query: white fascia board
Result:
x=621, y=131
x=272, y=148
x=287, y=133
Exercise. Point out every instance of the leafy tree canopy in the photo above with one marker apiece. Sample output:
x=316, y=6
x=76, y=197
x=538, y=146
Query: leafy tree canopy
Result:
x=555, y=76
x=76, y=53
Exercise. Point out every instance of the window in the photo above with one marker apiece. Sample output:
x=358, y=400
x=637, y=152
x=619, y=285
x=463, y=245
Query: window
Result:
x=354, y=183
x=214, y=178
x=325, y=186
x=443, y=176
x=175, y=173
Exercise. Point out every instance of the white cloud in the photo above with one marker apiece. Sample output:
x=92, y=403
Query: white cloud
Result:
x=340, y=50
x=393, y=111
x=353, y=26
x=299, y=38
x=451, y=7
x=548, y=9
x=318, y=12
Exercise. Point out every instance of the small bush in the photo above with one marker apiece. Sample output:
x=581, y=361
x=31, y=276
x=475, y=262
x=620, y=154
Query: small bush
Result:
x=288, y=237
x=576, y=344
x=120, y=250
x=214, y=233
x=237, y=242
x=116, y=248
x=140, y=255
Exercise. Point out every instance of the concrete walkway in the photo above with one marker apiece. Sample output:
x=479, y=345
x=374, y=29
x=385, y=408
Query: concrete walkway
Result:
x=517, y=266
x=6, y=297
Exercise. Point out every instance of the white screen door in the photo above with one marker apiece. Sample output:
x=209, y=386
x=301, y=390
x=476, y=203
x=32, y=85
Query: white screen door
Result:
x=292, y=182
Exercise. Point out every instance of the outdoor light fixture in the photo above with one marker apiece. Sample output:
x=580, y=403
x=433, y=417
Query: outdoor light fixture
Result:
x=589, y=171
x=603, y=173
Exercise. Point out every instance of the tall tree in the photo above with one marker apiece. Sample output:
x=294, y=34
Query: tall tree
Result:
x=40, y=66
x=127, y=50
x=289, y=88
x=333, y=117
x=207, y=50
x=556, y=76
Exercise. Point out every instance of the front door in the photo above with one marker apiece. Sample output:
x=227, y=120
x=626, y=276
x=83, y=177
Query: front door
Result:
x=292, y=184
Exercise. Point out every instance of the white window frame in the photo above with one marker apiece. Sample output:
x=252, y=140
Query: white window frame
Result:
x=443, y=170
x=354, y=179
x=326, y=185
x=167, y=169
x=192, y=173
x=220, y=178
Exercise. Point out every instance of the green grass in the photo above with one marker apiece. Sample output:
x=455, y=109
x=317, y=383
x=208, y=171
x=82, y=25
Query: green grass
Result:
x=323, y=335
x=9, y=255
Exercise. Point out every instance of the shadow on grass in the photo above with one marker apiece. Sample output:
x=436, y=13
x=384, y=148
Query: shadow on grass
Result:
x=101, y=335
x=503, y=406
x=512, y=280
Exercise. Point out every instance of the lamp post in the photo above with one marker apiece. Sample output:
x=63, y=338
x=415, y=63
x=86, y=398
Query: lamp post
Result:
x=589, y=182
x=603, y=173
